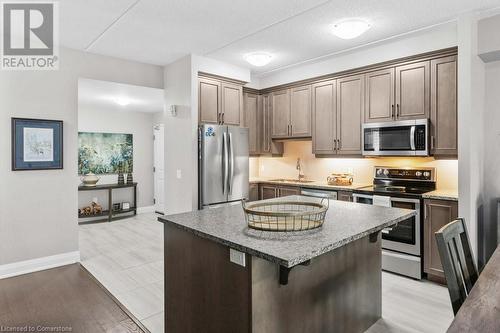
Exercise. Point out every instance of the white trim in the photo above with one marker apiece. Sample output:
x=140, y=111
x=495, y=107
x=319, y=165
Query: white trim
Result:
x=147, y=209
x=38, y=264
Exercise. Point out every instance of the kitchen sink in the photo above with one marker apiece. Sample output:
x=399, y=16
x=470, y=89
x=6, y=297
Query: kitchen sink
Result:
x=285, y=180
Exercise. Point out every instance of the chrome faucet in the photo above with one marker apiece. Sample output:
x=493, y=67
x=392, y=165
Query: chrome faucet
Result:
x=299, y=168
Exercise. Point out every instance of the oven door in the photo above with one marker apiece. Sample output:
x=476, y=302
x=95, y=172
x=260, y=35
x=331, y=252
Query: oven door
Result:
x=400, y=138
x=404, y=236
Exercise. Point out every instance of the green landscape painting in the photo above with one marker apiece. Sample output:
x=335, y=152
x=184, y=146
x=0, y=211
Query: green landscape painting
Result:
x=104, y=153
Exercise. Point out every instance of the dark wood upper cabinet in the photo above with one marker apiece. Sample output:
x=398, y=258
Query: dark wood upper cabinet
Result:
x=300, y=112
x=437, y=213
x=444, y=141
x=350, y=111
x=379, y=96
x=220, y=102
x=413, y=91
x=232, y=105
x=209, y=100
x=252, y=122
x=280, y=104
x=324, y=106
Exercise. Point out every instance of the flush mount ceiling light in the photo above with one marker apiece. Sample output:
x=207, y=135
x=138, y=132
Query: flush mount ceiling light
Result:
x=258, y=59
x=350, y=29
x=122, y=101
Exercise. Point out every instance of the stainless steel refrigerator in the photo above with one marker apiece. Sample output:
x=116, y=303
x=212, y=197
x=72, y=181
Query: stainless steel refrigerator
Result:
x=223, y=165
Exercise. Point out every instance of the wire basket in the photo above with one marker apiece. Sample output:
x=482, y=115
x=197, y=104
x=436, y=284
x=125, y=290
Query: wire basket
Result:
x=285, y=215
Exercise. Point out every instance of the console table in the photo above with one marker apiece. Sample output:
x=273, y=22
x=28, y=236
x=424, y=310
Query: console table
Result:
x=110, y=213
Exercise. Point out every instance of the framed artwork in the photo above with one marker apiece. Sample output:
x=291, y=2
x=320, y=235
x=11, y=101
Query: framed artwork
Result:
x=37, y=144
x=105, y=153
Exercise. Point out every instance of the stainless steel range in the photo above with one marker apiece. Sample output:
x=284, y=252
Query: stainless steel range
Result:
x=401, y=188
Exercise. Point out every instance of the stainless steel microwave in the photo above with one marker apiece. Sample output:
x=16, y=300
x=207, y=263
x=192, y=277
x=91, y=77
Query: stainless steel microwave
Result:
x=398, y=138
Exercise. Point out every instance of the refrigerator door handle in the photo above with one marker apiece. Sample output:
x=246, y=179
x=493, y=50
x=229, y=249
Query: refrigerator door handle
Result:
x=224, y=162
x=231, y=163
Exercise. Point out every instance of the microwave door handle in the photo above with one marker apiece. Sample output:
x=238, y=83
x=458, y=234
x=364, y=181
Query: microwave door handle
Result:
x=412, y=138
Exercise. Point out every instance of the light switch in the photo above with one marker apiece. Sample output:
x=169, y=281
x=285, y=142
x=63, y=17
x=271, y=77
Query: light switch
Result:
x=237, y=257
x=179, y=174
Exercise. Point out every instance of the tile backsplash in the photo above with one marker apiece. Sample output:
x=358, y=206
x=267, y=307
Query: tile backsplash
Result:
x=362, y=168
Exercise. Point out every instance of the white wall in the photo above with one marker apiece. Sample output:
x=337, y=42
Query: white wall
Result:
x=179, y=154
x=491, y=229
x=435, y=38
x=140, y=125
x=470, y=127
x=38, y=212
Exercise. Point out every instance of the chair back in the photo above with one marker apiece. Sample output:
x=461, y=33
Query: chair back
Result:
x=457, y=260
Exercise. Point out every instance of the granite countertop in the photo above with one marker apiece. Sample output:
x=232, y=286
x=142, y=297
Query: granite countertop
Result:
x=313, y=184
x=442, y=195
x=344, y=222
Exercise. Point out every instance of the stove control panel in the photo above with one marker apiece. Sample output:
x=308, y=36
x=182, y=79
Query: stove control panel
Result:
x=426, y=174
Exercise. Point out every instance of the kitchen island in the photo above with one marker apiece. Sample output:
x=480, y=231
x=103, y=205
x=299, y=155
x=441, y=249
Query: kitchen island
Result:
x=322, y=280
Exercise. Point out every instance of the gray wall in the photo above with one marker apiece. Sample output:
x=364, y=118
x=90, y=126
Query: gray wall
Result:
x=38, y=208
x=140, y=125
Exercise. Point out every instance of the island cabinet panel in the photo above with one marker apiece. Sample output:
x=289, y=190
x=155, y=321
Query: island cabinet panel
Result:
x=413, y=91
x=339, y=291
x=300, y=111
x=280, y=104
x=252, y=122
x=209, y=101
x=232, y=104
x=324, y=106
x=350, y=110
x=193, y=263
x=443, y=138
x=379, y=96
x=437, y=214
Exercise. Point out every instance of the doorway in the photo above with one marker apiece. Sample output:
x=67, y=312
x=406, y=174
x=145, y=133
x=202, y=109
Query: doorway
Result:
x=158, y=168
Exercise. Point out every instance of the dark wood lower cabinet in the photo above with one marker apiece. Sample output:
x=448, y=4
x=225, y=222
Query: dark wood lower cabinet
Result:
x=253, y=192
x=437, y=213
x=269, y=191
x=344, y=196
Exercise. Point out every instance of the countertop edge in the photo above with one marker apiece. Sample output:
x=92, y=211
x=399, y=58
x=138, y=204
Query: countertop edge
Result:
x=313, y=184
x=285, y=263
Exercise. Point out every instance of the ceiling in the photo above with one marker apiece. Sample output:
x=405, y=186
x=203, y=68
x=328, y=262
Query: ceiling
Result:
x=294, y=31
x=104, y=95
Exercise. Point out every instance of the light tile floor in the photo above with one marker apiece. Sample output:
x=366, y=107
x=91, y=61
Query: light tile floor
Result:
x=127, y=258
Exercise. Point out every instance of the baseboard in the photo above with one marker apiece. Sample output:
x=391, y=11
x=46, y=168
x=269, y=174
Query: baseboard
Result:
x=38, y=264
x=148, y=209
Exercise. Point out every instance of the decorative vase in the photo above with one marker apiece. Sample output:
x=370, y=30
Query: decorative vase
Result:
x=121, y=179
x=130, y=178
x=89, y=180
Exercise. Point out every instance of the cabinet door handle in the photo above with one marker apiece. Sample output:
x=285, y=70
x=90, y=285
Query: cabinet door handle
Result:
x=339, y=144
x=222, y=118
x=291, y=130
x=397, y=111
x=393, y=116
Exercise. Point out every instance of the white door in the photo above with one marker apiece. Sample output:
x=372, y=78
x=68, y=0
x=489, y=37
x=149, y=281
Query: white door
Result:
x=158, y=168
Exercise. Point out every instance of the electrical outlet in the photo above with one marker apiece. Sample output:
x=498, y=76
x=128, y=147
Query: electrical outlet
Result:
x=237, y=257
x=179, y=174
